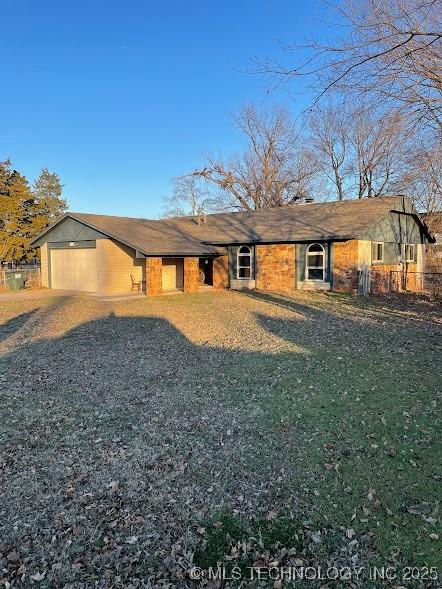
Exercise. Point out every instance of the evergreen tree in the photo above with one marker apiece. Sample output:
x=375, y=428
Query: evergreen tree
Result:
x=25, y=212
x=15, y=200
x=48, y=201
x=15, y=214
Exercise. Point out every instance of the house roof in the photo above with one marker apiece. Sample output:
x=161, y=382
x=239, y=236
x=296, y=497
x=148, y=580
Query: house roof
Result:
x=300, y=222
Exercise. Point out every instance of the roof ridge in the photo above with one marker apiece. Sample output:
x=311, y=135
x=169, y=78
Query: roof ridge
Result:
x=112, y=216
x=246, y=212
x=291, y=206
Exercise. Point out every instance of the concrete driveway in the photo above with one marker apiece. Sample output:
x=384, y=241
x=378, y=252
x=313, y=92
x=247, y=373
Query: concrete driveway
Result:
x=43, y=293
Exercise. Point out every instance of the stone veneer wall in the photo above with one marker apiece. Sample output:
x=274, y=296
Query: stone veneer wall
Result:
x=351, y=256
x=221, y=272
x=191, y=274
x=154, y=279
x=345, y=258
x=275, y=267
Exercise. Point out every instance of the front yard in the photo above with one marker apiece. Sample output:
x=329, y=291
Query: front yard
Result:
x=140, y=439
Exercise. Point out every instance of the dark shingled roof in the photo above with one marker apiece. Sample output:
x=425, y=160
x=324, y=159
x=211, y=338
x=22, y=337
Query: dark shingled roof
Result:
x=300, y=222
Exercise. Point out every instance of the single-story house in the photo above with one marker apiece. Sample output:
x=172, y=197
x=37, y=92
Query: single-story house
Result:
x=302, y=246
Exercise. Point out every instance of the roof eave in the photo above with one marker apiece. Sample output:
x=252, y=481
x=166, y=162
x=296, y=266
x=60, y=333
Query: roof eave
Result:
x=87, y=224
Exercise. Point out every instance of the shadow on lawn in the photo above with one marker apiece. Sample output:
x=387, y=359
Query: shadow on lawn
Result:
x=185, y=429
x=14, y=325
x=398, y=308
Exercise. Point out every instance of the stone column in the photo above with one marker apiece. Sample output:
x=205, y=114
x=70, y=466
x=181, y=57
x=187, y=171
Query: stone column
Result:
x=154, y=269
x=191, y=274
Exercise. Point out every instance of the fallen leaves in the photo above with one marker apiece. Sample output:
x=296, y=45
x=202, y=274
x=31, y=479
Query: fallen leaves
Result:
x=114, y=486
x=123, y=508
x=271, y=515
x=13, y=556
x=38, y=576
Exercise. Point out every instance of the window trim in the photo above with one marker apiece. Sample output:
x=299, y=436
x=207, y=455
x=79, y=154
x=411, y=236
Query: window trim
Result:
x=239, y=255
x=308, y=267
x=376, y=243
x=414, y=250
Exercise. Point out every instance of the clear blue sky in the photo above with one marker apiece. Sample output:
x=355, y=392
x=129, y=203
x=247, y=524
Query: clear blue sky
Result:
x=119, y=97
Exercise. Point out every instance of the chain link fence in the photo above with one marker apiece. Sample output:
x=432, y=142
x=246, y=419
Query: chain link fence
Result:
x=379, y=282
x=32, y=276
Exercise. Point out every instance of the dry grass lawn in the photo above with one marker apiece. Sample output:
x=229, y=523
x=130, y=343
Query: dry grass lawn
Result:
x=138, y=439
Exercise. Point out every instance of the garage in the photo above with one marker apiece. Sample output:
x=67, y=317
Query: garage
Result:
x=173, y=273
x=74, y=269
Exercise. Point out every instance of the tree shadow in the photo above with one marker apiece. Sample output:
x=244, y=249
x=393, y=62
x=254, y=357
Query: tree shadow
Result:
x=122, y=433
x=14, y=325
x=354, y=307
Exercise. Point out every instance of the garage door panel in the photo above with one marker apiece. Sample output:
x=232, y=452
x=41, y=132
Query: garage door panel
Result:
x=74, y=269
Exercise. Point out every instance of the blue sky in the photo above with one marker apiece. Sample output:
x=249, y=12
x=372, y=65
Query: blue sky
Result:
x=119, y=97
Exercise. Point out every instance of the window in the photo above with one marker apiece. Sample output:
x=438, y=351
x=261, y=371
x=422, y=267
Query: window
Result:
x=409, y=252
x=244, y=265
x=315, y=262
x=378, y=251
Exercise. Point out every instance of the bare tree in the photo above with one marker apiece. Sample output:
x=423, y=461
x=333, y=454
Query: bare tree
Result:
x=363, y=153
x=273, y=170
x=330, y=134
x=423, y=177
x=379, y=145
x=391, y=53
x=190, y=196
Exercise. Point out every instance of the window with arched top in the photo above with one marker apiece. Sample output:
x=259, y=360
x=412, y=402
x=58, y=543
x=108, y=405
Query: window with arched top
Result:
x=244, y=262
x=315, y=266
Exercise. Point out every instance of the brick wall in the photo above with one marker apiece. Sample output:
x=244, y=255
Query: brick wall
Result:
x=115, y=263
x=221, y=272
x=44, y=265
x=191, y=274
x=275, y=267
x=154, y=279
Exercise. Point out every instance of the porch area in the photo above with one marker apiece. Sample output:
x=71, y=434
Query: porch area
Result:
x=169, y=275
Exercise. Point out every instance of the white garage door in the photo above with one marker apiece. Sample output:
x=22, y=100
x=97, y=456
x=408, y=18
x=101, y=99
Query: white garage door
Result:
x=74, y=269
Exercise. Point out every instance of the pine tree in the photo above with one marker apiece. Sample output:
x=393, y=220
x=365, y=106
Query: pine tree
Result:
x=25, y=212
x=15, y=219
x=48, y=202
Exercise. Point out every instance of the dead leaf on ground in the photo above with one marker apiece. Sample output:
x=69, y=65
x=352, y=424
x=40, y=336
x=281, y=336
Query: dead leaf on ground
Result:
x=38, y=576
x=13, y=556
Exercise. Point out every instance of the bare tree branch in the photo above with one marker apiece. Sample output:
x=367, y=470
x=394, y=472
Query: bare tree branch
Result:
x=275, y=168
x=392, y=51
